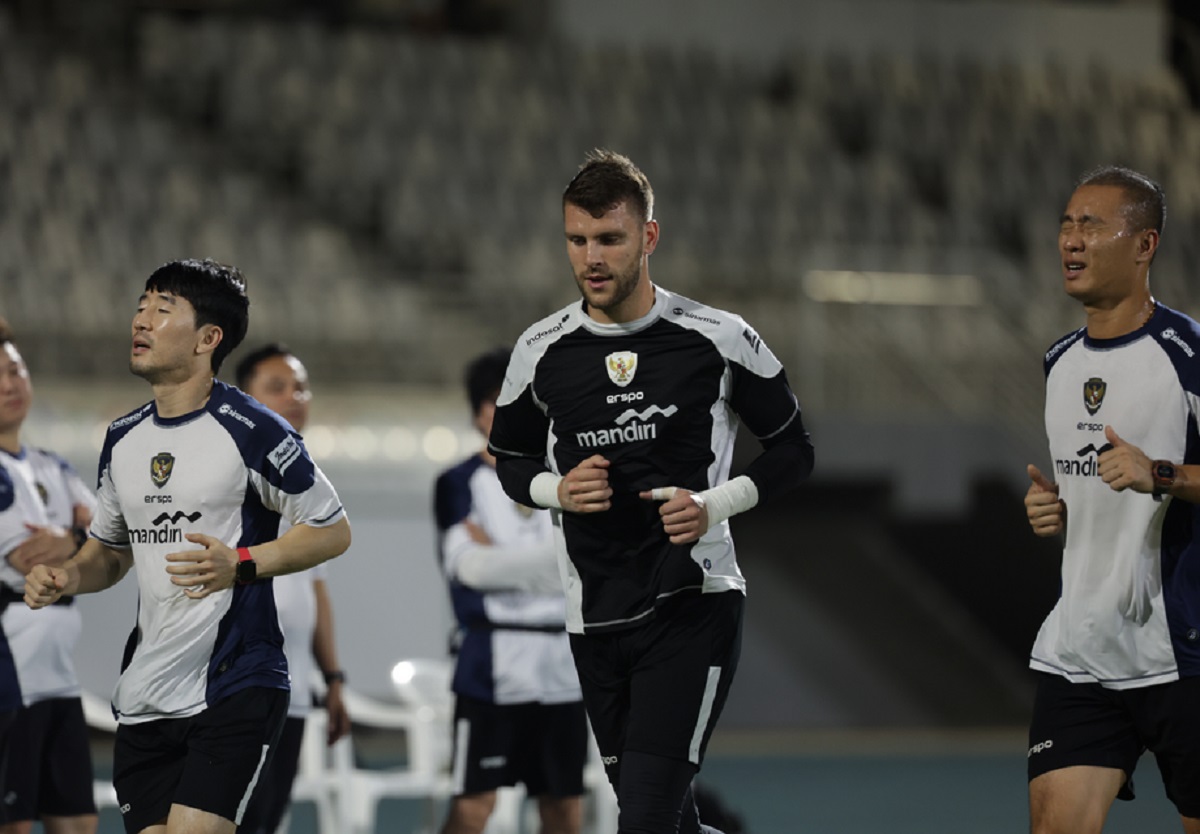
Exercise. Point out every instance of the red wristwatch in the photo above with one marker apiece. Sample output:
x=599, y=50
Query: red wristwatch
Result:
x=1163, y=472
x=247, y=568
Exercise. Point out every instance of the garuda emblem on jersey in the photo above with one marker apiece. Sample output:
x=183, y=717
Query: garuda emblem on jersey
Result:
x=1093, y=394
x=160, y=468
x=42, y=492
x=621, y=366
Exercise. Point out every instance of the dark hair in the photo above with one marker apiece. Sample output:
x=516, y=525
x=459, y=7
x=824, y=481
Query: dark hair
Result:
x=485, y=376
x=249, y=363
x=6, y=334
x=605, y=180
x=217, y=293
x=1145, y=201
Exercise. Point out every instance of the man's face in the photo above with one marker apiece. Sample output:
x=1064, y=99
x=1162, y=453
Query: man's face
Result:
x=606, y=255
x=281, y=384
x=1100, y=253
x=166, y=340
x=16, y=394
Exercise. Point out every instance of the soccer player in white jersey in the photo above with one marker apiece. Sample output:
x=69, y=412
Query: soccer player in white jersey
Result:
x=619, y=412
x=1118, y=658
x=45, y=765
x=275, y=377
x=518, y=714
x=192, y=488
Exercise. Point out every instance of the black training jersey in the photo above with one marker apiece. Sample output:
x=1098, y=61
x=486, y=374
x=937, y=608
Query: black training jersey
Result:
x=661, y=399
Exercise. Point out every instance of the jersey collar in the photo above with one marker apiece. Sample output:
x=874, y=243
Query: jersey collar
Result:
x=1132, y=336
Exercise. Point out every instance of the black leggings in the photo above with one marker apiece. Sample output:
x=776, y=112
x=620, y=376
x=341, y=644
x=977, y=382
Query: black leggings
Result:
x=655, y=796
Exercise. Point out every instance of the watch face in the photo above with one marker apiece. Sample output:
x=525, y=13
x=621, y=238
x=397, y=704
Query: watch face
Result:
x=247, y=571
x=1165, y=472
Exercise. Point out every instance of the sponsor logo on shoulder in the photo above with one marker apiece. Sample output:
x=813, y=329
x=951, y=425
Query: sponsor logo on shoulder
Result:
x=679, y=311
x=285, y=454
x=752, y=339
x=1039, y=747
x=226, y=408
x=1171, y=336
x=1063, y=345
x=549, y=331
x=131, y=418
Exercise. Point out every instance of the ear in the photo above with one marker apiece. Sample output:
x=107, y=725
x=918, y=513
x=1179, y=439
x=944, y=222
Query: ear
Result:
x=211, y=335
x=1147, y=245
x=650, y=236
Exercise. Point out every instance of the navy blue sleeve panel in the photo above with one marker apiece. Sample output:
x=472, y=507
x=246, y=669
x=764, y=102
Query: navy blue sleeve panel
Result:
x=268, y=444
x=116, y=430
x=8, y=490
x=518, y=440
x=452, y=493
x=1179, y=337
x=1056, y=350
x=768, y=408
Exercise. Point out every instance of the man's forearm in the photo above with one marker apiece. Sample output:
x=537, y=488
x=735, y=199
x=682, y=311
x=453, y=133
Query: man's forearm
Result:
x=96, y=567
x=301, y=548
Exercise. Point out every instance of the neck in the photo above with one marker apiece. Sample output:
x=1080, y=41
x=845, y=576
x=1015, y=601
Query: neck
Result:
x=174, y=399
x=1120, y=319
x=10, y=440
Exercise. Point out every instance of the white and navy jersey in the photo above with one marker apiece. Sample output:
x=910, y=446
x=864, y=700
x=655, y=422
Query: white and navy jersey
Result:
x=513, y=647
x=1129, y=614
x=36, y=487
x=296, y=604
x=230, y=470
x=661, y=399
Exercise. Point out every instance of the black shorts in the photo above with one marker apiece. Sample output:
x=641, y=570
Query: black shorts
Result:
x=210, y=761
x=659, y=688
x=1086, y=724
x=273, y=793
x=50, y=765
x=542, y=746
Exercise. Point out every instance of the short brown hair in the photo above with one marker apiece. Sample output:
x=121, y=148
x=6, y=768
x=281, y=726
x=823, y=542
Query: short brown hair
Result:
x=6, y=334
x=605, y=180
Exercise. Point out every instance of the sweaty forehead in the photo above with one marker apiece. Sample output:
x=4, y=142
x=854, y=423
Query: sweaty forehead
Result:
x=1097, y=201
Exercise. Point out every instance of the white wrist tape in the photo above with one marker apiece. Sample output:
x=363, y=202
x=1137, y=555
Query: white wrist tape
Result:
x=728, y=499
x=543, y=489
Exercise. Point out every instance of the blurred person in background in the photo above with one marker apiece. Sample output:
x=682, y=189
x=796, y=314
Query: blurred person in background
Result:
x=275, y=377
x=192, y=487
x=619, y=412
x=518, y=715
x=1118, y=658
x=45, y=765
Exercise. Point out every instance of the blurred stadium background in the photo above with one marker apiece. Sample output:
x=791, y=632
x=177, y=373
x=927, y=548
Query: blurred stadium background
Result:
x=874, y=184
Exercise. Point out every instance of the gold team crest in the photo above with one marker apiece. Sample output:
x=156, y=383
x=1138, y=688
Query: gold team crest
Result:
x=160, y=468
x=42, y=492
x=1093, y=394
x=621, y=366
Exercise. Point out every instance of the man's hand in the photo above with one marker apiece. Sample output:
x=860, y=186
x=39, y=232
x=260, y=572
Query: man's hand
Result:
x=1046, y=511
x=477, y=533
x=338, y=722
x=1125, y=466
x=46, y=545
x=585, y=488
x=202, y=572
x=684, y=516
x=44, y=585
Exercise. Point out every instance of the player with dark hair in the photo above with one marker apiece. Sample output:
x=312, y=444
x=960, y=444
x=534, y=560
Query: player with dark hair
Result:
x=1118, y=658
x=620, y=413
x=192, y=488
x=45, y=764
x=518, y=713
x=275, y=377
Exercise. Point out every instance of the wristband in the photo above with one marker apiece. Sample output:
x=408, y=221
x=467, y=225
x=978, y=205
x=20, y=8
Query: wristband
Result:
x=337, y=676
x=246, y=569
x=543, y=489
x=728, y=499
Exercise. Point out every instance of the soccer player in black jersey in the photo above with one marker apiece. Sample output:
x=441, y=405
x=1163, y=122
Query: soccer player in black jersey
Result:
x=619, y=414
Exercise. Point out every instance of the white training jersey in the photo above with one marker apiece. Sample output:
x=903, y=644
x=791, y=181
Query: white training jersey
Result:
x=230, y=470
x=296, y=602
x=37, y=487
x=513, y=645
x=1129, y=613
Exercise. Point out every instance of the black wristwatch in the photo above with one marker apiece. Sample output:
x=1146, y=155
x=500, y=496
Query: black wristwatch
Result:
x=247, y=568
x=1163, y=472
x=337, y=675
